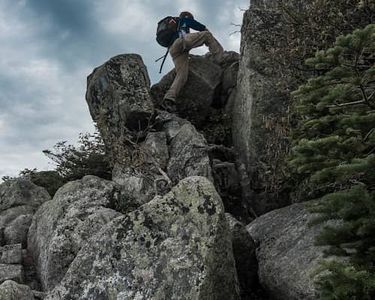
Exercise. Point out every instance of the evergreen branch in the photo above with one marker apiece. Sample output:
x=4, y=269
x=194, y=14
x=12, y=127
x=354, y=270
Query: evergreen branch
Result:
x=372, y=95
x=348, y=104
x=368, y=134
x=365, y=98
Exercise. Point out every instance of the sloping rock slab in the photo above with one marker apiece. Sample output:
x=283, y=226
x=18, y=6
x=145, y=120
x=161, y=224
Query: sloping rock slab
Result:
x=61, y=226
x=174, y=247
x=286, y=253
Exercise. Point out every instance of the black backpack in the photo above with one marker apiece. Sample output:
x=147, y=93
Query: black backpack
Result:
x=165, y=33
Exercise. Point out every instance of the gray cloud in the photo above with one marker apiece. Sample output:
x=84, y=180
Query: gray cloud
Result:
x=49, y=47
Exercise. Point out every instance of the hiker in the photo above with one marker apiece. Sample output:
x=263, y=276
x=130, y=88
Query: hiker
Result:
x=181, y=43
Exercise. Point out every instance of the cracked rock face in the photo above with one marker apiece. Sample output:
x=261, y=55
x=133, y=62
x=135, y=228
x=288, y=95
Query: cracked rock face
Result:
x=174, y=247
x=61, y=226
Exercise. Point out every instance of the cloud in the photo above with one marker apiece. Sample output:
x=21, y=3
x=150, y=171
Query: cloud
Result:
x=126, y=18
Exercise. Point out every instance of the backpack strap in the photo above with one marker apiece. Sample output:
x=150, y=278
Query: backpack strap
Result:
x=164, y=58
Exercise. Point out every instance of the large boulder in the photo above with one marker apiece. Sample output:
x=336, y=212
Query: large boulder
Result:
x=198, y=94
x=286, y=252
x=61, y=226
x=174, y=247
x=118, y=96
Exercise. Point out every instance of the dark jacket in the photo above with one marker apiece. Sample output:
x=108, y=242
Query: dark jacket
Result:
x=184, y=26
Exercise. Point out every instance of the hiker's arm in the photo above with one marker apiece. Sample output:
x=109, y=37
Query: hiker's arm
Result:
x=191, y=23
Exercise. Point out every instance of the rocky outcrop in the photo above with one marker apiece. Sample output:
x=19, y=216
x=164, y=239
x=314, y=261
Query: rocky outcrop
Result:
x=62, y=226
x=210, y=113
x=286, y=253
x=119, y=102
x=173, y=247
x=260, y=106
x=150, y=158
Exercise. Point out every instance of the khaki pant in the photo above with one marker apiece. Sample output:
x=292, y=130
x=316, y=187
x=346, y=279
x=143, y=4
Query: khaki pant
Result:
x=180, y=55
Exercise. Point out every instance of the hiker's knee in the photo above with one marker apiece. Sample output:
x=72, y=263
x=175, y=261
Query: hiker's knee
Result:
x=207, y=35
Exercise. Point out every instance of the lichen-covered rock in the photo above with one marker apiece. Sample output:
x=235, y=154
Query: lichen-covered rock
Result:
x=188, y=155
x=62, y=226
x=286, y=253
x=244, y=255
x=19, y=192
x=118, y=96
x=174, y=247
x=10, y=290
x=199, y=92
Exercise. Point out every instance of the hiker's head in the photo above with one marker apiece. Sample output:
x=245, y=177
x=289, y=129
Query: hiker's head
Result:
x=186, y=14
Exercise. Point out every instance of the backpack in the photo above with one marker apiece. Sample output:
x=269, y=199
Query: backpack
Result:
x=165, y=33
x=166, y=30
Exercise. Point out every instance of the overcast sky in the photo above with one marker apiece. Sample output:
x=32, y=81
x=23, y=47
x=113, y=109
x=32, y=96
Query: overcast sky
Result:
x=48, y=47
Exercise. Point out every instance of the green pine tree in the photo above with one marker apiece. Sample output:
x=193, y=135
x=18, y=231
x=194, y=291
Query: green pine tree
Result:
x=333, y=159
